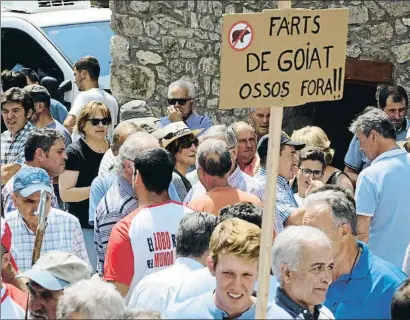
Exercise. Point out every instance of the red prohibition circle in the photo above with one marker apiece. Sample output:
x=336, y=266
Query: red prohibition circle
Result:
x=248, y=25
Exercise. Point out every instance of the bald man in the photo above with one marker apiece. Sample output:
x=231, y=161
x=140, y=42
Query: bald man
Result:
x=247, y=159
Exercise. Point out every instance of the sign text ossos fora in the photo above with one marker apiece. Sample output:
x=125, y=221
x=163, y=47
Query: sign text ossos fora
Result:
x=240, y=35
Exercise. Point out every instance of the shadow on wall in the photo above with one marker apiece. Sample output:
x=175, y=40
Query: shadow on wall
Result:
x=101, y=3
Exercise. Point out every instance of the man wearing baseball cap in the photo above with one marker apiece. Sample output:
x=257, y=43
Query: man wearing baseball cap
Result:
x=285, y=202
x=48, y=277
x=62, y=231
x=42, y=117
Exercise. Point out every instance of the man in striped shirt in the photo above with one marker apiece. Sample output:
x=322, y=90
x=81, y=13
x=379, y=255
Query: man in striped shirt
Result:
x=120, y=200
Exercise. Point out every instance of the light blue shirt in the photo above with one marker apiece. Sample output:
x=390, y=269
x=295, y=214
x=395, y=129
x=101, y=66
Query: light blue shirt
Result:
x=357, y=160
x=99, y=188
x=194, y=121
x=383, y=193
x=203, y=307
x=368, y=291
x=58, y=110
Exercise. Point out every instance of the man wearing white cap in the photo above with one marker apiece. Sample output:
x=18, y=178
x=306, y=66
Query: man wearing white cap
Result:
x=49, y=276
x=62, y=231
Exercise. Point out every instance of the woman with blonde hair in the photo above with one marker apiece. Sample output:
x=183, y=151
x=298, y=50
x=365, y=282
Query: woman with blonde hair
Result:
x=83, y=160
x=314, y=136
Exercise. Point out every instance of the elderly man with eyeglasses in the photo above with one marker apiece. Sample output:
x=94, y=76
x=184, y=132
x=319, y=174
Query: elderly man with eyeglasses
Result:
x=181, y=103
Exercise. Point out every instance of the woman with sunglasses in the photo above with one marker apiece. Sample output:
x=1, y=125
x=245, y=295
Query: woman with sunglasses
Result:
x=181, y=142
x=83, y=160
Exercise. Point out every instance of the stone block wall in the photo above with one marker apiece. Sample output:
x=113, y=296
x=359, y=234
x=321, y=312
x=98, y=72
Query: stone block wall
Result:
x=157, y=42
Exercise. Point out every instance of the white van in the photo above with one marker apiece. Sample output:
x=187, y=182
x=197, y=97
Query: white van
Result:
x=49, y=36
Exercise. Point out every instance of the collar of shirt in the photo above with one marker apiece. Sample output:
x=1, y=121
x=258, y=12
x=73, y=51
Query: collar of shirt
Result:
x=253, y=167
x=261, y=172
x=23, y=222
x=192, y=264
x=220, y=314
x=126, y=186
x=363, y=266
x=283, y=183
x=27, y=127
x=285, y=302
x=405, y=126
x=390, y=154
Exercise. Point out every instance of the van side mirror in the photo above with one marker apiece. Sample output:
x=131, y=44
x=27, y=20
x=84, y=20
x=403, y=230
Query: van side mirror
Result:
x=65, y=86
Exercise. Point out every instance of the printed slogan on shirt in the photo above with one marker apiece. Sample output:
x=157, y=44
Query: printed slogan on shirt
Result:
x=163, y=245
x=295, y=56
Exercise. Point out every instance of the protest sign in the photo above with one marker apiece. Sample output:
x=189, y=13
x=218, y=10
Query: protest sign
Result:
x=283, y=58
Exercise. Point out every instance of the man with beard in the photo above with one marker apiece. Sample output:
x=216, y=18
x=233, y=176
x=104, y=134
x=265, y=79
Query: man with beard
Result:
x=44, y=149
x=86, y=73
x=42, y=117
x=48, y=277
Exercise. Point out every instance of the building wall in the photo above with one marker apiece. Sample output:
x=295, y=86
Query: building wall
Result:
x=158, y=42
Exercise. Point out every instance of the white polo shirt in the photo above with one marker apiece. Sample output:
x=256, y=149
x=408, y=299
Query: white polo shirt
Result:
x=155, y=291
x=142, y=243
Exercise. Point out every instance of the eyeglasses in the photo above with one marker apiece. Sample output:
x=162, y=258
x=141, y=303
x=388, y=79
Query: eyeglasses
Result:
x=188, y=144
x=95, y=121
x=316, y=173
x=180, y=102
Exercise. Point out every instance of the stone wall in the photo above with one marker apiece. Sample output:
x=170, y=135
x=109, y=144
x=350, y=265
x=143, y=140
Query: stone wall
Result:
x=158, y=42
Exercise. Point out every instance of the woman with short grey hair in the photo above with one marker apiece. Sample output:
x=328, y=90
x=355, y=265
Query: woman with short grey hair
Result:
x=91, y=299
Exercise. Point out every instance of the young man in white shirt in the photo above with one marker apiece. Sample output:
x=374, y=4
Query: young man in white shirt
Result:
x=87, y=72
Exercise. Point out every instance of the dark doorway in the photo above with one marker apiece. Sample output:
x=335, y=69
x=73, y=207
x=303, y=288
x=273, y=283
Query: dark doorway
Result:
x=334, y=117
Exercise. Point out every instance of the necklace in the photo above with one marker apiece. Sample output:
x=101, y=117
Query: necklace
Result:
x=354, y=263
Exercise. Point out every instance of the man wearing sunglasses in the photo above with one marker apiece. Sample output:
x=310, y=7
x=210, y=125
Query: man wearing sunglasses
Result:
x=181, y=101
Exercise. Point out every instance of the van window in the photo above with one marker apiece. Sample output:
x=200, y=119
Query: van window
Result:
x=18, y=49
x=78, y=40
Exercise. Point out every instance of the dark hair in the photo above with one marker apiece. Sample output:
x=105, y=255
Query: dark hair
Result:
x=175, y=146
x=313, y=154
x=10, y=79
x=40, y=138
x=51, y=84
x=31, y=74
x=89, y=64
x=243, y=210
x=155, y=167
x=214, y=157
x=194, y=234
x=398, y=94
x=400, y=305
x=18, y=95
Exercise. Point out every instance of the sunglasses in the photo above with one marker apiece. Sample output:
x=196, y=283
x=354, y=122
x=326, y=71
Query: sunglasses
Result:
x=188, y=143
x=95, y=121
x=180, y=102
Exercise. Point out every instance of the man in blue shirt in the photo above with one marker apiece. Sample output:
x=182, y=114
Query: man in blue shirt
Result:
x=181, y=102
x=233, y=261
x=382, y=191
x=394, y=101
x=363, y=283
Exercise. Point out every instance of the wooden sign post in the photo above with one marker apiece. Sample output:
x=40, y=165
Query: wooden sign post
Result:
x=280, y=58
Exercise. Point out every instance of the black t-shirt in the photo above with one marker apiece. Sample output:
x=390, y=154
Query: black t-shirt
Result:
x=81, y=158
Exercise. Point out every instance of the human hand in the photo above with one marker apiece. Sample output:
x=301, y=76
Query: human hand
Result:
x=174, y=114
x=313, y=184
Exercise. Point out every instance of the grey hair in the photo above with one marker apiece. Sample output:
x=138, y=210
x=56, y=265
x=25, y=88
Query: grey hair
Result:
x=373, y=119
x=342, y=207
x=252, y=110
x=181, y=83
x=94, y=298
x=236, y=126
x=221, y=131
x=288, y=245
x=214, y=158
x=142, y=314
x=133, y=145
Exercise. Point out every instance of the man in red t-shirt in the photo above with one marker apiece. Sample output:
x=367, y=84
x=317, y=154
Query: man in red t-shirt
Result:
x=144, y=241
x=213, y=165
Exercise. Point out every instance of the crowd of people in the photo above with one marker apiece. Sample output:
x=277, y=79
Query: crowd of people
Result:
x=151, y=218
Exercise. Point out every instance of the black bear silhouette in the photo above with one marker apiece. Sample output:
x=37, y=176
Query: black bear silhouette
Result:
x=237, y=33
